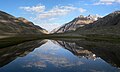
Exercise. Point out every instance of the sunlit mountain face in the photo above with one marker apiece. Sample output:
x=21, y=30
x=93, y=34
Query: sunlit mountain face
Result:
x=61, y=55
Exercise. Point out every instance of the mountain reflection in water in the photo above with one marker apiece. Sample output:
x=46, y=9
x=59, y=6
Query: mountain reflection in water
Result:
x=11, y=53
x=64, y=55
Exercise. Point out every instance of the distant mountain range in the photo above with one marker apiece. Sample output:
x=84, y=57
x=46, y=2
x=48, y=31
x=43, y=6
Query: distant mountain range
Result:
x=80, y=26
x=92, y=25
x=12, y=25
x=108, y=25
x=76, y=23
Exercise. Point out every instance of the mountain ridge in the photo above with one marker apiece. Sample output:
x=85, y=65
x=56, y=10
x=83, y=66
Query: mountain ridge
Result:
x=12, y=25
x=107, y=26
x=77, y=22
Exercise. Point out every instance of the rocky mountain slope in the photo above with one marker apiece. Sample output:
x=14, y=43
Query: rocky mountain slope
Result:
x=12, y=25
x=108, y=25
x=76, y=23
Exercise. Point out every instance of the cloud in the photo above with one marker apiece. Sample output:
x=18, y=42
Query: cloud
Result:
x=99, y=3
x=118, y=1
x=37, y=8
x=106, y=2
x=53, y=12
x=82, y=10
x=52, y=19
x=49, y=26
x=57, y=11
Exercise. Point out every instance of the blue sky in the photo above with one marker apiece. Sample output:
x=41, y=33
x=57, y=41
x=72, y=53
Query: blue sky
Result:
x=50, y=14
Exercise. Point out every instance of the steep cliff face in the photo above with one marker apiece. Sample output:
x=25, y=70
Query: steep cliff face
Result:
x=76, y=23
x=12, y=25
x=108, y=25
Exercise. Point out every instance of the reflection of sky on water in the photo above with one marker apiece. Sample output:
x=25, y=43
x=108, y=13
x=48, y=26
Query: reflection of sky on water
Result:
x=54, y=55
x=53, y=58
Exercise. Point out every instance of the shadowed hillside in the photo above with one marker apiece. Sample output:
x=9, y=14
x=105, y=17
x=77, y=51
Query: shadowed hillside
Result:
x=10, y=26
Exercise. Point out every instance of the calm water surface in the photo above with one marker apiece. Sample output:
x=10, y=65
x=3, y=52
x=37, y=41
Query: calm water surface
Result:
x=60, y=56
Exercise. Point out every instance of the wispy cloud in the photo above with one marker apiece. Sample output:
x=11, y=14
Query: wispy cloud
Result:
x=53, y=12
x=37, y=8
x=82, y=10
x=106, y=2
x=56, y=11
x=50, y=26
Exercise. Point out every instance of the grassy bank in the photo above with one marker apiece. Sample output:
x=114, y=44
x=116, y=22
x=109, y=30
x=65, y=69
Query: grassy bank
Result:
x=9, y=41
x=5, y=42
x=91, y=37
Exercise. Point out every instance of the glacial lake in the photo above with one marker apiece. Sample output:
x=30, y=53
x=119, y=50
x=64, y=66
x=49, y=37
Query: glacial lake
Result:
x=65, y=55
